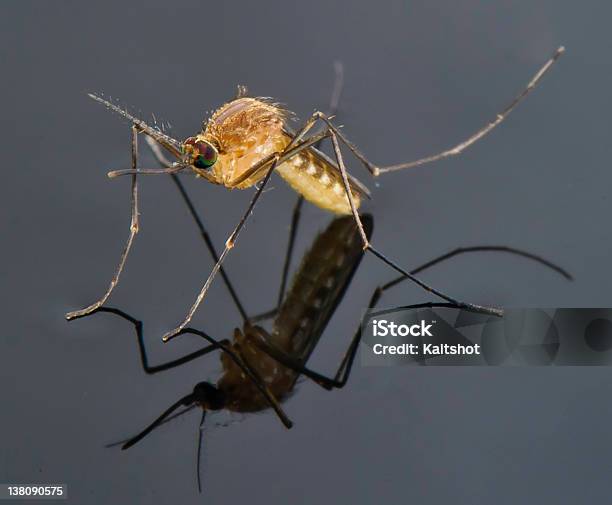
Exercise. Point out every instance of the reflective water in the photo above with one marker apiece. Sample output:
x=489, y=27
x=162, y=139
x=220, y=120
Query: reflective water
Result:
x=418, y=78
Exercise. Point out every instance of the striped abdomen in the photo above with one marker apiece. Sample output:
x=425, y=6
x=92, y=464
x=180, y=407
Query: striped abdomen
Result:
x=318, y=181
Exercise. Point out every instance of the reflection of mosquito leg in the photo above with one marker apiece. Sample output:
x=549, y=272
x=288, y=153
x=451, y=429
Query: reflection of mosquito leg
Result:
x=128, y=245
x=483, y=248
x=368, y=246
x=345, y=366
x=295, y=220
x=344, y=370
x=162, y=160
x=138, y=326
x=462, y=146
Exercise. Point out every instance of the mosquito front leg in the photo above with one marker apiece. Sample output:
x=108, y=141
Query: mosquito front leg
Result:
x=229, y=244
x=133, y=231
x=165, y=162
x=274, y=159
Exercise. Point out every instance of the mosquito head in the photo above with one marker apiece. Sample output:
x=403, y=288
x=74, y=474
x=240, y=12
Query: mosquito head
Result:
x=208, y=396
x=200, y=154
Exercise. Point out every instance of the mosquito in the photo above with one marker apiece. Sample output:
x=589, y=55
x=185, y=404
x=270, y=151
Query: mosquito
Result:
x=248, y=139
x=261, y=368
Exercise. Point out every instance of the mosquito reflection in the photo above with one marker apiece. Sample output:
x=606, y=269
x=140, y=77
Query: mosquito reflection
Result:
x=260, y=367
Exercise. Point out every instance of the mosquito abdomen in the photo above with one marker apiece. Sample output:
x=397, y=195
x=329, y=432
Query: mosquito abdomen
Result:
x=317, y=182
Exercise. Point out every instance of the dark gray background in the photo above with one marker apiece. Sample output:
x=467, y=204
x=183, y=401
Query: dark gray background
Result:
x=419, y=76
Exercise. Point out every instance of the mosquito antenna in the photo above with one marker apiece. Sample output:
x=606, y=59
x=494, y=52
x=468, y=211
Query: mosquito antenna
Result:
x=200, y=450
x=168, y=142
x=167, y=420
x=263, y=389
x=147, y=171
x=185, y=401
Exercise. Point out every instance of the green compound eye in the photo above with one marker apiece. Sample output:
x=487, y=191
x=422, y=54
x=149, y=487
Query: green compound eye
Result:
x=206, y=157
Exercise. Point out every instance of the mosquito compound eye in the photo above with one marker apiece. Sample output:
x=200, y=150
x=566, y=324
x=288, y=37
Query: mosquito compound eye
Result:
x=205, y=155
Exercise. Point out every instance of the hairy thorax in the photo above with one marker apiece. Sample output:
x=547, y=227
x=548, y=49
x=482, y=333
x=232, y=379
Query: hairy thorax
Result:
x=247, y=130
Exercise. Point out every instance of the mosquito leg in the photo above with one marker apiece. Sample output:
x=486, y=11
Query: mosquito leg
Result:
x=275, y=159
x=229, y=244
x=462, y=146
x=128, y=245
x=375, y=252
x=162, y=160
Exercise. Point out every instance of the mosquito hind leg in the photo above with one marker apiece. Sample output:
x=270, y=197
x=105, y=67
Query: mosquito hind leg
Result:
x=463, y=145
x=368, y=247
x=501, y=116
x=134, y=225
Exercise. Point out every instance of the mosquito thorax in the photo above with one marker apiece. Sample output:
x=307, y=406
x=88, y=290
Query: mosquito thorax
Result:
x=208, y=396
x=200, y=153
